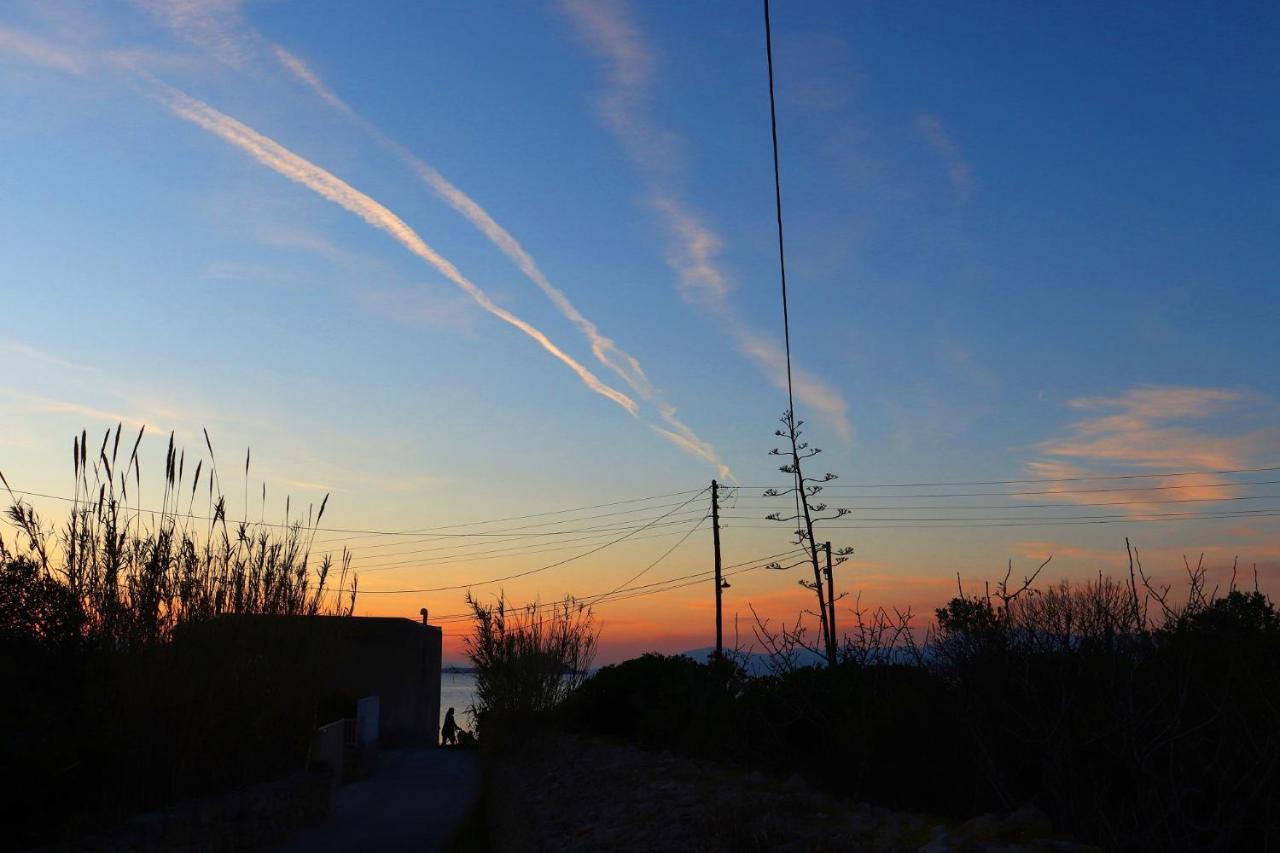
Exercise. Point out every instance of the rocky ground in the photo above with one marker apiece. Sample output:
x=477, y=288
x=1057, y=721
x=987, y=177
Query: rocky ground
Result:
x=573, y=793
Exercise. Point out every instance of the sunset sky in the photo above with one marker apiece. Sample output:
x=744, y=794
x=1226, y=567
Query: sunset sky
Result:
x=458, y=262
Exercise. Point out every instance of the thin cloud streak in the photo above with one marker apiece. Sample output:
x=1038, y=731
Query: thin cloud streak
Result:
x=606, y=351
x=212, y=25
x=290, y=165
x=38, y=51
x=217, y=27
x=959, y=171
x=694, y=246
x=1155, y=428
x=28, y=351
x=47, y=406
x=303, y=72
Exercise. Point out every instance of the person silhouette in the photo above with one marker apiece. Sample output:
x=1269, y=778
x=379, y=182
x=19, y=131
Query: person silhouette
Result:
x=449, y=731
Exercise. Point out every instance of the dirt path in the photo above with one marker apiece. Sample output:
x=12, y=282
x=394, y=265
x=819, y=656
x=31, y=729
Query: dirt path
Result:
x=572, y=793
x=415, y=800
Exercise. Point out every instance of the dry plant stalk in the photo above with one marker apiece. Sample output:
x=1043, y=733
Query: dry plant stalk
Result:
x=528, y=659
x=136, y=574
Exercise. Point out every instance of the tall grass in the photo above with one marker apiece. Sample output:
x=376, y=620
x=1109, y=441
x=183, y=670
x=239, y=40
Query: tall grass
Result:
x=133, y=574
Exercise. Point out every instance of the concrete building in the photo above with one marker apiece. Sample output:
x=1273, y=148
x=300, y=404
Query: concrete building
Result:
x=397, y=660
x=340, y=659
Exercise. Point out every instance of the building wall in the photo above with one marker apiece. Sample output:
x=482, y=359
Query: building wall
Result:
x=397, y=660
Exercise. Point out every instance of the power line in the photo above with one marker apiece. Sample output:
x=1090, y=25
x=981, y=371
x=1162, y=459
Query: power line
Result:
x=977, y=523
x=528, y=572
x=777, y=206
x=424, y=530
x=623, y=594
x=664, y=556
x=1077, y=479
x=782, y=254
x=701, y=577
x=1130, y=489
x=502, y=553
x=290, y=525
x=1060, y=505
x=1066, y=517
x=454, y=548
x=411, y=538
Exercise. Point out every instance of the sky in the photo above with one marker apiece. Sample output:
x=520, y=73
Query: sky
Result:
x=454, y=263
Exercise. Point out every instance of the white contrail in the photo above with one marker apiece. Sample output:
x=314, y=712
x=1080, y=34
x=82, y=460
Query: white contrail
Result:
x=205, y=26
x=303, y=72
x=622, y=363
x=606, y=351
x=277, y=157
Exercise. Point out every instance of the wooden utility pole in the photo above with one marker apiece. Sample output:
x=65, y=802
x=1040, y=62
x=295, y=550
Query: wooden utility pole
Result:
x=715, y=539
x=831, y=608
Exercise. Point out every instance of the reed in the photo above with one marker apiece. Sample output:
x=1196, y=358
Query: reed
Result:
x=135, y=574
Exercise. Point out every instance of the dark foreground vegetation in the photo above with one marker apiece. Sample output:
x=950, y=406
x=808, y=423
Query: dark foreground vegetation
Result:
x=1132, y=721
x=115, y=702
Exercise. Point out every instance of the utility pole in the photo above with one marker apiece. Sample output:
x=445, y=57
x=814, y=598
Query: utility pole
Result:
x=831, y=608
x=715, y=539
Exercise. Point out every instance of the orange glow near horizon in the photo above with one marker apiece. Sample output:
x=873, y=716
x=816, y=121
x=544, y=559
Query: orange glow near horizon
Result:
x=674, y=623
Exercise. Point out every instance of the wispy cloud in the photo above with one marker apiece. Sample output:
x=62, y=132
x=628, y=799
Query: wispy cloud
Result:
x=1157, y=428
x=1042, y=549
x=39, y=51
x=693, y=245
x=39, y=405
x=605, y=350
x=1151, y=427
x=30, y=352
x=215, y=26
x=303, y=72
x=295, y=238
x=412, y=306
x=290, y=165
x=818, y=72
x=959, y=171
x=239, y=271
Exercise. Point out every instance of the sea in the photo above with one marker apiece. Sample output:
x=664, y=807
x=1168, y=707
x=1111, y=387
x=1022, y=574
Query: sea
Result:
x=458, y=691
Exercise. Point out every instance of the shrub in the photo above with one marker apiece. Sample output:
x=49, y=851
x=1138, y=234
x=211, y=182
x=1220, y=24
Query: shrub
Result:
x=658, y=700
x=1132, y=732
x=527, y=659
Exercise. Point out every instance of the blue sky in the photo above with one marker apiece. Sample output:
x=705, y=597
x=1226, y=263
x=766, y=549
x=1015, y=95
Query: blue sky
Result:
x=1023, y=242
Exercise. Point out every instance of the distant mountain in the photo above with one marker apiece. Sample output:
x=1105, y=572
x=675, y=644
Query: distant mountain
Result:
x=457, y=669
x=756, y=663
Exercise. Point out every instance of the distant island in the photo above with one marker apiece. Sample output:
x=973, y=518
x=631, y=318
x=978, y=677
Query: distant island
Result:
x=456, y=669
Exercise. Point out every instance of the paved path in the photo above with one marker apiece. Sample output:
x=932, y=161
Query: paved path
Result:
x=415, y=801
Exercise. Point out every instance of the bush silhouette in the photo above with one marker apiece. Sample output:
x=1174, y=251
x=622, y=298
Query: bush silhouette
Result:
x=1126, y=733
